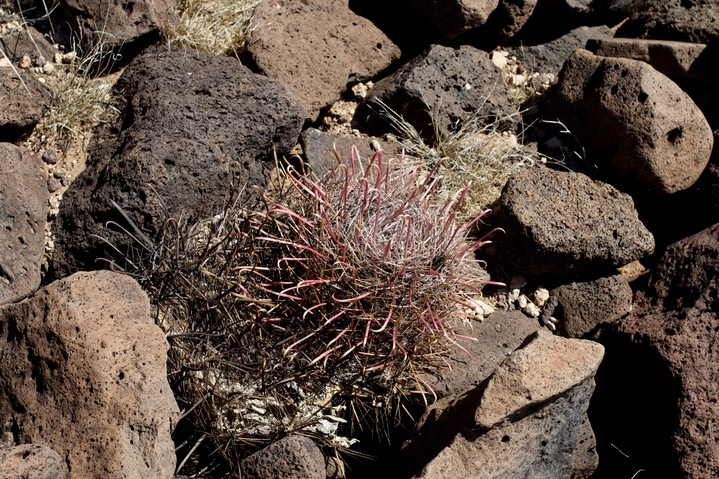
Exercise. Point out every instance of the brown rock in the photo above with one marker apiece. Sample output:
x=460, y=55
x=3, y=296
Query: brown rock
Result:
x=119, y=26
x=565, y=224
x=454, y=17
x=195, y=126
x=692, y=66
x=496, y=337
x=547, y=367
x=318, y=148
x=512, y=15
x=23, y=210
x=294, y=457
x=694, y=21
x=441, y=88
x=316, y=48
x=585, y=460
x=583, y=307
x=22, y=98
x=83, y=371
x=523, y=422
x=26, y=41
x=653, y=135
x=660, y=400
x=687, y=275
x=549, y=57
x=684, y=352
x=31, y=461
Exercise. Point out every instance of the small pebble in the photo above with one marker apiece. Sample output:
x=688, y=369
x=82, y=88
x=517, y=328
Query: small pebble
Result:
x=499, y=59
x=541, y=296
x=57, y=57
x=522, y=301
x=48, y=68
x=40, y=62
x=485, y=308
x=53, y=184
x=59, y=173
x=68, y=57
x=360, y=90
x=50, y=157
x=551, y=323
x=531, y=309
x=25, y=62
x=518, y=80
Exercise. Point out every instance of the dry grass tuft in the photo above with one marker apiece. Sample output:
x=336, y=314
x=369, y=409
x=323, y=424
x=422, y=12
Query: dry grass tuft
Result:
x=219, y=27
x=77, y=105
x=478, y=151
x=81, y=99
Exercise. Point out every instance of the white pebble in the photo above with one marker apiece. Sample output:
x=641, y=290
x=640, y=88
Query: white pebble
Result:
x=531, y=309
x=484, y=308
x=499, y=60
x=541, y=296
x=68, y=57
x=519, y=80
x=522, y=301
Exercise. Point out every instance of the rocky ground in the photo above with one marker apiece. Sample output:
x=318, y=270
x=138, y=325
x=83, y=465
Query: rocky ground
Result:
x=592, y=141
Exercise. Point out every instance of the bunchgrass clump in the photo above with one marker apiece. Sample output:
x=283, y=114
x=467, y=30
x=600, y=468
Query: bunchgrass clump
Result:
x=482, y=151
x=80, y=99
x=218, y=27
x=318, y=310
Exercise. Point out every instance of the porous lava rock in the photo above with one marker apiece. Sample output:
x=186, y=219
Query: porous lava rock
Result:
x=83, y=371
x=23, y=210
x=549, y=57
x=23, y=99
x=319, y=149
x=439, y=89
x=454, y=17
x=316, y=48
x=564, y=224
x=116, y=30
x=695, y=21
x=31, y=461
x=524, y=421
x=687, y=276
x=665, y=355
x=26, y=41
x=293, y=457
x=195, y=127
x=495, y=338
x=584, y=306
x=507, y=20
x=692, y=66
x=640, y=129
x=585, y=459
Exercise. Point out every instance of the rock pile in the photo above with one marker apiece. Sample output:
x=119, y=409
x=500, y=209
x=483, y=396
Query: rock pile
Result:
x=630, y=123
